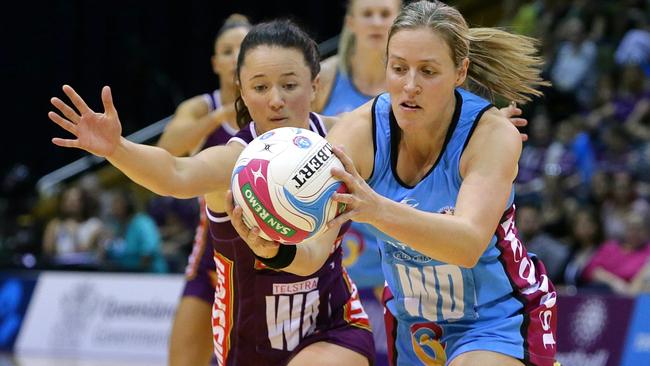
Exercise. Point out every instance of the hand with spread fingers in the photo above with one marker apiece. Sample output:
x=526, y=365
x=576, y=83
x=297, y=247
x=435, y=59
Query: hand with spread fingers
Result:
x=361, y=201
x=261, y=247
x=97, y=133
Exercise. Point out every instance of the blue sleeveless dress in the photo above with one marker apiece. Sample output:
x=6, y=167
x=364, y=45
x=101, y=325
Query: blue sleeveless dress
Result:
x=504, y=304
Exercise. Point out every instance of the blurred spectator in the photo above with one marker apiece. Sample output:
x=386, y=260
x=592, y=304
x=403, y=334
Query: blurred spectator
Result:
x=638, y=122
x=640, y=167
x=135, y=244
x=622, y=202
x=586, y=236
x=90, y=182
x=555, y=207
x=72, y=237
x=641, y=282
x=622, y=106
x=614, y=152
x=634, y=47
x=600, y=190
x=617, y=262
x=561, y=158
x=572, y=72
x=631, y=90
x=551, y=251
x=529, y=182
x=176, y=220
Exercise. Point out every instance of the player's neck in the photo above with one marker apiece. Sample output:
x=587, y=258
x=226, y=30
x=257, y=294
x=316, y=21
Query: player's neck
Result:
x=227, y=94
x=425, y=143
x=367, y=71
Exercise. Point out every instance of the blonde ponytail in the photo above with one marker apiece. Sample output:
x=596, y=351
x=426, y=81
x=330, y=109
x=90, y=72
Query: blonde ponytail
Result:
x=504, y=64
x=501, y=63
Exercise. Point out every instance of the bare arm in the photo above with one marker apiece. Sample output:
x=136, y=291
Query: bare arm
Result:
x=310, y=254
x=615, y=283
x=191, y=124
x=152, y=167
x=641, y=281
x=488, y=167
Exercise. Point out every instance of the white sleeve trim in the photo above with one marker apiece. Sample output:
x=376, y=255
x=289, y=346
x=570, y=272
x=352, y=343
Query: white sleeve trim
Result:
x=238, y=140
x=216, y=219
x=320, y=121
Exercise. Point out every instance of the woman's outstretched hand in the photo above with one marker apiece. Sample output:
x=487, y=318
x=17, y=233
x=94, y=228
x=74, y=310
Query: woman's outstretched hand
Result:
x=97, y=133
x=362, y=203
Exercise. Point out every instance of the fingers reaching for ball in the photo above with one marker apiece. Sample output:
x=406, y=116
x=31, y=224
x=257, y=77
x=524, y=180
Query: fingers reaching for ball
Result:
x=361, y=202
x=259, y=246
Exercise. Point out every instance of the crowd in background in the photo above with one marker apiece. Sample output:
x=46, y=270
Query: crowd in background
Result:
x=583, y=188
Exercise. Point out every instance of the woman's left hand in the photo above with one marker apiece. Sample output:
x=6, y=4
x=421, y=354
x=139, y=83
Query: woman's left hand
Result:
x=261, y=247
x=362, y=204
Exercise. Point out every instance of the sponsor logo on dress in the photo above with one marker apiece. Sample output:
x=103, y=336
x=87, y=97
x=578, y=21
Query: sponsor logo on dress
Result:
x=296, y=287
x=415, y=257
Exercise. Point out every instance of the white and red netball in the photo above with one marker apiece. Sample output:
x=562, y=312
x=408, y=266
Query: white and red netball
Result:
x=283, y=182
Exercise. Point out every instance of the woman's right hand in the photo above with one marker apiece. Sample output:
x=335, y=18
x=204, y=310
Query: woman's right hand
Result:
x=261, y=247
x=226, y=113
x=97, y=133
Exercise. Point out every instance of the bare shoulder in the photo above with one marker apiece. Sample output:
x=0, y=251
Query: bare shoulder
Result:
x=328, y=66
x=494, y=127
x=327, y=75
x=495, y=141
x=195, y=105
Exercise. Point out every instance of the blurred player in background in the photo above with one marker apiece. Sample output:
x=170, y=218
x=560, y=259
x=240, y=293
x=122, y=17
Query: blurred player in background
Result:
x=200, y=122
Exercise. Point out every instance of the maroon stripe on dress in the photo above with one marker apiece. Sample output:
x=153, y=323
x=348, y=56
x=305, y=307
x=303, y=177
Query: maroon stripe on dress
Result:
x=533, y=288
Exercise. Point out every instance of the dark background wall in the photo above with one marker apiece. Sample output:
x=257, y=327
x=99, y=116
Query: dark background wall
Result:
x=152, y=53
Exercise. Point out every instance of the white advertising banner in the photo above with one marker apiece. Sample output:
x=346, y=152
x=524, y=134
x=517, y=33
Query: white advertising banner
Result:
x=105, y=315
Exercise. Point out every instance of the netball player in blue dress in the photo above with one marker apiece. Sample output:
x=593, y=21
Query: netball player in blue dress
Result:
x=437, y=189
x=277, y=69
x=198, y=123
x=349, y=79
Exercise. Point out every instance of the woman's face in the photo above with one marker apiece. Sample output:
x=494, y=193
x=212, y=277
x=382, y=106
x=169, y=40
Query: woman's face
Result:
x=421, y=77
x=277, y=87
x=370, y=21
x=226, y=51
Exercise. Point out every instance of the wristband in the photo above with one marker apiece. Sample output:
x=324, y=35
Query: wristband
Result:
x=284, y=257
